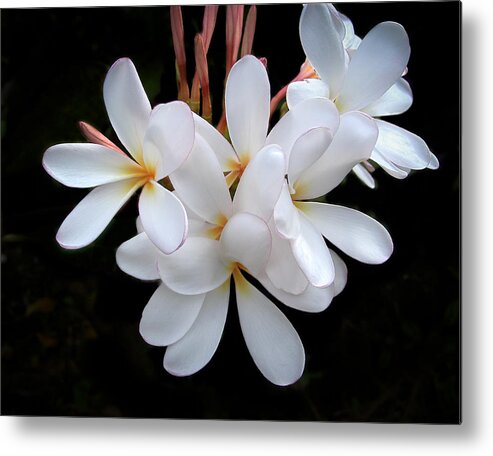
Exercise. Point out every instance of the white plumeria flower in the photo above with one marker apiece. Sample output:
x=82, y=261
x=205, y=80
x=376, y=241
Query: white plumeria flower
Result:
x=187, y=313
x=247, y=103
x=363, y=75
x=158, y=141
x=299, y=255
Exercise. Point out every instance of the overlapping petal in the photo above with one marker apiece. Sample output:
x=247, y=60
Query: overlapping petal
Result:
x=402, y=147
x=246, y=239
x=389, y=167
x=282, y=268
x=169, y=138
x=307, y=149
x=261, y=183
x=128, y=108
x=271, y=339
x=353, y=143
x=376, y=65
x=312, y=299
x=312, y=113
x=321, y=40
x=312, y=255
x=197, y=267
x=286, y=215
x=341, y=272
x=196, y=348
x=168, y=316
x=138, y=258
x=304, y=90
x=396, y=100
x=163, y=217
x=201, y=185
x=364, y=175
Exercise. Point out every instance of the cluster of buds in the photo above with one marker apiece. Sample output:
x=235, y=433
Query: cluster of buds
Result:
x=222, y=205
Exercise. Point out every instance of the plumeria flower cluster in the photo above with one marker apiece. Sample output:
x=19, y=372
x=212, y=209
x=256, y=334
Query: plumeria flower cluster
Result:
x=241, y=202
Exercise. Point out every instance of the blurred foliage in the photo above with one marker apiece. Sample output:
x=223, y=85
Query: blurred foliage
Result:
x=387, y=349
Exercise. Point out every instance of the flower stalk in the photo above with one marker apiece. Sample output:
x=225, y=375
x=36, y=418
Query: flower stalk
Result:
x=178, y=34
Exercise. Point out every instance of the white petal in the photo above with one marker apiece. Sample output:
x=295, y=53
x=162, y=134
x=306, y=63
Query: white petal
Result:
x=201, y=185
x=351, y=41
x=168, y=316
x=402, y=147
x=434, y=163
x=246, y=239
x=312, y=299
x=286, y=215
x=247, y=106
x=163, y=217
x=195, y=268
x=93, y=214
x=364, y=175
x=356, y=234
x=312, y=255
x=307, y=149
x=127, y=105
x=304, y=90
x=312, y=113
x=375, y=66
x=322, y=43
x=339, y=22
x=272, y=341
x=282, y=269
x=169, y=138
x=388, y=166
x=196, y=348
x=88, y=165
x=138, y=225
x=340, y=273
x=396, y=100
x=261, y=183
x=138, y=258
x=222, y=148
x=352, y=144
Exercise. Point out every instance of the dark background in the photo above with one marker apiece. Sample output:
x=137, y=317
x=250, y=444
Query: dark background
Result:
x=387, y=349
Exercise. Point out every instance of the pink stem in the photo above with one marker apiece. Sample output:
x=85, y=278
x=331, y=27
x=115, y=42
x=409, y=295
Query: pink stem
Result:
x=203, y=74
x=96, y=137
x=179, y=47
x=306, y=72
x=248, y=34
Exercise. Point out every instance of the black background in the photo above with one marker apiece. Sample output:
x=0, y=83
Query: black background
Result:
x=387, y=349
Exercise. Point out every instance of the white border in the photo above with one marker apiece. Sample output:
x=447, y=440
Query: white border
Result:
x=59, y=436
